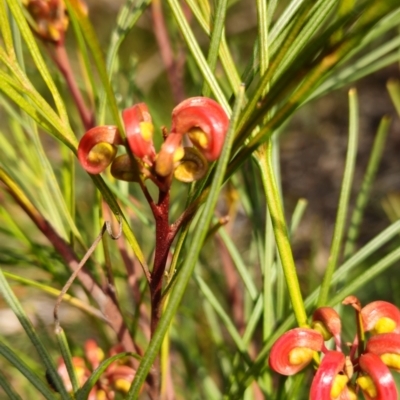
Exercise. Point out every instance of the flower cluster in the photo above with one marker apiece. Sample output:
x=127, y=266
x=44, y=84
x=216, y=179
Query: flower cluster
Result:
x=49, y=18
x=340, y=376
x=200, y=119
x=117, y=377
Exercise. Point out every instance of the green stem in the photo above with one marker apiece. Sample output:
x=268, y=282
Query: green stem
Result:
x=264, y=160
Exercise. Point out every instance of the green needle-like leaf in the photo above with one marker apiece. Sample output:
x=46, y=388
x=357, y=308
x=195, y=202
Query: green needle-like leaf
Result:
x=344, y=199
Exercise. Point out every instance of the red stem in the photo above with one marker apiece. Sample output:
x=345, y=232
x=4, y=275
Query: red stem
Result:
x=163, y=244
x=174, y=69
x=60, y=57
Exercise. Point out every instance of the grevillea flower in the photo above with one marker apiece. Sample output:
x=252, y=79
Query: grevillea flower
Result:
x=203, y=121
x=294, y=350
x=118, y=376
x=49, y=18
x=339, y=376
x=98, y=148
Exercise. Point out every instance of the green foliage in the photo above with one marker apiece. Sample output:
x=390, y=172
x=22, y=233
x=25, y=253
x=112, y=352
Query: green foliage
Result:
x=230, y=288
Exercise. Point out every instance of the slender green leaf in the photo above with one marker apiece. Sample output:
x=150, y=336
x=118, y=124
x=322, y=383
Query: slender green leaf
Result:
x=369, y=177
x=67, y=357
x=16, y=307
x=127, y=18
x=393, y=87
x=27, y=372
x=216, y=36
x=8, y=389
x=224, y=54
x=198, y=55
x=242, y=269
x=229, y=325
x=83, y=393
x=15, y=7
x=344, y=199
x=73, y=301
x=95, y=47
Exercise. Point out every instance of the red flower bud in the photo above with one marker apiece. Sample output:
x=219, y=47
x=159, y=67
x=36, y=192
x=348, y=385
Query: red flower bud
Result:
x=381, y=317
x=379, y=383
x=49, y=19
x=327, y=321
x=139, y=132
x=171, y=152
x=328, y=383
x=97, y=148
x=205, y=122
x=294, y=350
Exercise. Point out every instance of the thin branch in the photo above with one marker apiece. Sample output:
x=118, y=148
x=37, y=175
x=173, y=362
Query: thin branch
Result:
x=61, y=59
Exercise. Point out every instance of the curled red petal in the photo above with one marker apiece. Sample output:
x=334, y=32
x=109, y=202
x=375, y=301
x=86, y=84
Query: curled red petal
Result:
x=331, y=365
x=385, y=386
x=97, y=148
x=373, y=312
x=293, y=339
x=386, y=344
x=138, y=126
x=205, y=122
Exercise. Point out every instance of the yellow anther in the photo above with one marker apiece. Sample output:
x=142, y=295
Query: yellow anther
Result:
x=300, y=355
x=122, y=385
x=198, y=137
x=339, y=384
x=80, y=373
x=100, y=354
x=146, y=130
x=367, y=385
x=321, y=328
x=391, y=360
x=178, y=155
x=102, y=153
x=384, y=325
x=101, y=395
